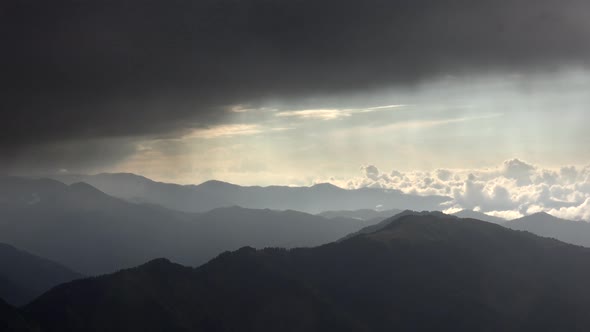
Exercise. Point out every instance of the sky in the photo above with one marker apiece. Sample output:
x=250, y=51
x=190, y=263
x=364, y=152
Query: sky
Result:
x=261, y=92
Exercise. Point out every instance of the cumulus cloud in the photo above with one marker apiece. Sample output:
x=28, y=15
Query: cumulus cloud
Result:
x=371, y=172
x=511, y=190
x=508, y=215
x=581, y=211
x=518, y=170
x=444, y=174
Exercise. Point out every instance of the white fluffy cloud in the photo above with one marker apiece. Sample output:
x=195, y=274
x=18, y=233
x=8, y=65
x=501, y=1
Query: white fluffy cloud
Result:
x=580, y=212
x=511, y=190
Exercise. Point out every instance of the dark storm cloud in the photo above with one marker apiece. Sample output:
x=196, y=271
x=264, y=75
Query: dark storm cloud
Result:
x=73, y=156
x=82, y=70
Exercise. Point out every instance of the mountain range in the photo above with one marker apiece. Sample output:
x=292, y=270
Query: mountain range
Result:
x=422, y=272
x=215, y=194
x=93, y=233
x=390, y=270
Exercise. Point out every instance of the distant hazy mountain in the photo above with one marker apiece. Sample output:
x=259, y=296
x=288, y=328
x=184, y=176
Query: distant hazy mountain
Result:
x=24, y=276
x=12, y=320
x=362, y=214
x=479, y=215
x=91, y=232
x=215, y=194
x=543, y=224
x=235, y=227
x=83, y=228
x=419, y=273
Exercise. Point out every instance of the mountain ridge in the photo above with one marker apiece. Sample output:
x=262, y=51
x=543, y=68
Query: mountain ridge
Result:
x=71, y=224
x=212, y=194
x=421, y=273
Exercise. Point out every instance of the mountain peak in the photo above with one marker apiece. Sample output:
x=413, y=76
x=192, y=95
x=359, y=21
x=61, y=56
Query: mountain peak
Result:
x=538, y=217
x=424, y=217
x=325, y=185
x=157, y=264
x=216, y=184
x=423, y=213
x=157, y=261
x=439, y=227
x=542, y=214
x=547, y=225
x=387, y=223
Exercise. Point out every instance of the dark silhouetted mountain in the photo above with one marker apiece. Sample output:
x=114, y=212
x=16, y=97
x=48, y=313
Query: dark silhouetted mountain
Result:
x=543, y=224
x=362, y=214
x=215, y=194
x=479, y=216
x=163, y=296
x=11, y=320
x=91, y=232
x=420, y=273
x=23, y=276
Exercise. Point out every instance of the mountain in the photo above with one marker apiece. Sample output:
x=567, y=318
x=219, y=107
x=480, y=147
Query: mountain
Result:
x=83, y=228
x=470, y=214
x=543, y=224
x=94, y=233
x=362, y=214
x=386, y=222
x=235, y=227
x=23, y=276
x=12, y=320
x=419, y=273
x=164, y=296
x=215, y=194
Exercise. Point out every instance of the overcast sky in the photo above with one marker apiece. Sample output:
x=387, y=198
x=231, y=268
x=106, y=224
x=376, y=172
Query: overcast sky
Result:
x=291, y=92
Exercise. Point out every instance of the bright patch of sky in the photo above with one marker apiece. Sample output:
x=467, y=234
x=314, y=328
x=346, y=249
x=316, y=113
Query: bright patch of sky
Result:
x=467, y=123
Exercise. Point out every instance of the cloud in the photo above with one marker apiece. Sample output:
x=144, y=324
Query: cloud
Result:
x=332, y=114
x=518, y=170
x=232, y=130
x=580, y=212
x=226, y=130
x=443, y=174
x=508, y=215
x=95, y=70
x=371, y=172
x=322, y=114
x=75, y=156
x=429, y=123
x=510, y=190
